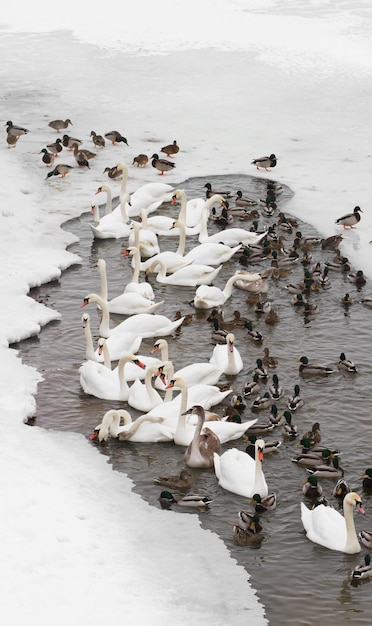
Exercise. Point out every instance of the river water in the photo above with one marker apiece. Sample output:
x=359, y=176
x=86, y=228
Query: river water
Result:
x=297, y=581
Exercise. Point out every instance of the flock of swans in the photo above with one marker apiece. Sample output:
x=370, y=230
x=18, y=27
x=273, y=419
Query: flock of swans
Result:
x=186, y=418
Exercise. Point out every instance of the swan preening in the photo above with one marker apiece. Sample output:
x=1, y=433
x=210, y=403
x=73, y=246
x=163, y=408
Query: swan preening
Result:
x=145, y=429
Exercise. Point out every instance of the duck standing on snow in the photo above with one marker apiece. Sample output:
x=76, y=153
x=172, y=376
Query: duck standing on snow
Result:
x=47, y=158
x=171, y=149
x=350, y=219
x=15, y=131
x=162, y=165
x=265, y=162
x=115, y=137
x=62, y=169
x=58, y=125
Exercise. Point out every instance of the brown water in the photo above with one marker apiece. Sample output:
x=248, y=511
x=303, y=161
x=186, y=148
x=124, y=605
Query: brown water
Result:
x=297, y=581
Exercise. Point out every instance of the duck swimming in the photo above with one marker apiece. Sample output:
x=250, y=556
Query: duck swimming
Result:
x=314, y=368
x=195, y=501
x=182, y=481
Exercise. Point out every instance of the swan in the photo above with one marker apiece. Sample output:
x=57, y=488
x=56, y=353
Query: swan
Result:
x=191, y=210
x=142, y=396
x=128, y=303
x=112, y=225
x=142, y=430
x=135, y=286
x=193, y=374
x=149, y=196
x=143, y=324
x=102, y=382
x=327, y=527
x=209, y=296
x=143, y=239
x=227, y=357
x=230, y=236
x=131, y=371
x=90, y=353
x=202, y=447
x=216, y=253
x=237, y=472
x=190, y=276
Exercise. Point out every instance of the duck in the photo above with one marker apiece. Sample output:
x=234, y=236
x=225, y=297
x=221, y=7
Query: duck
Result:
x=272, y=317
x=12, y=140
x=367, y=301
x=188, y=276
x=331, y=243
x=143, y=324
x=62, y=169
x=250, y=521
x=171, y=149
x=310, y=458
x=237, y=472
x=238, y=403
x=295, y=401
x=289, y=429
x=100, y=381
x=13, y=130
x=237, y=321
x=69, y=142
x=262, y=505
x=181, y=481
x=312, y=490
x=48, y=157
x=255, y=335
x=59, y=125
x=357, y=278
x=365, y=537
x=334, y=470
x=340, y=265
x=244, y=201
x=244, y=215
x=260, y=370
x=113, y=172
x=367, y=479
x=195, y=501
x=227, y=357
x=252, y=387
x=209, y=296
x=314, y=369
x=199, y=453
x=269, y=360
x=306, y=244
x=270, y=446
x=327, y=527
x=211, y=192
x=162, y=165
x=265, y=162
x=345, y=364
x=262, y=403
x=219, y=334
x=245, y=537
x=98, y=140
x=223, y=219
x=115, y=137
x=55, y=147
x=83, y=154
x=144, y=429
x=275, y=418
x=140, y=160
x=346, y=300
x=350, y=219
x=313, y=435
x=363, y=571
x=340, y=489
x=276, y=391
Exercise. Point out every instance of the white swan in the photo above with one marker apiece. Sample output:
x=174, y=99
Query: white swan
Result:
x=203, y=446
x=142, y=324
x=259, y=286
x=142, y=396
x=135, y=286
x=327, y=527
x=193, y=374
x=131, y=371
x=149, y=196
x=190, y=276
x=102, y=382
x=142, y=430
x=191, y=210
x=128, y=303
x=209, y=297
x=227, y=357
x=215, y=253
x=230, y=236
x=113, y=225
x=237, y=472
x=145, y=240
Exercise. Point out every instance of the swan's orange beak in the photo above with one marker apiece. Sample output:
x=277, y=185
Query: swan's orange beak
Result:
x=139, y=363
x=174, y=200
x=94, y=435
x=231, y=346
x=85, y=302
x=260, y=455
x=126, y=253
x=360, y=508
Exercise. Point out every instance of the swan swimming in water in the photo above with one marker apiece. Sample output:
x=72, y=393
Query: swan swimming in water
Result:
x=100, y=381
x=237, y=472
x=227, y=357
x=145, y=429
x=209, y=296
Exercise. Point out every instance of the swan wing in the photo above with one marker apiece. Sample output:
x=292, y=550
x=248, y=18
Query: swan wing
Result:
x=325, y=526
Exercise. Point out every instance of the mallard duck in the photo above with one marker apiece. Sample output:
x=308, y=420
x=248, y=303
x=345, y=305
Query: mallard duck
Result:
x=237, y=321
x=186, y=319
x=170, y=149
x=260, y=429
x=276, y=391
x=295, y=401
x=299, y=300
x=367, y=302
x=140, y=160
x=346, y=364
x=195, y=501
x=269, y=209
x=310, y=308
x=314, y=368
x=246, y=537
x=182, y=481
x=289, y=220
x=69, y=142
x=62, y=169
x=98, y=140
x=218, y=334
x=312, y=459
x=224, y=219
x=366, y=538
x=252, y=387
x=12, y=140
x=162, y=165
x=289, y=429
x=367, y=479
x=350, y=219
x=255, y=335
x=306, y=244
x=113, y=172
x=262, y=402
x=58, y=125
x=211, y=192
x=265, y=162
x=268, y=503
x=269, y=447
x=15, y=131
x=115, y=137
x=80, y=157
x=260, y=370
x=334, y=470
x=272, y=317
x=268, y=360
x=357, y=278
x=48, y=157
x=331, y=243
x=313, y=435
x=340, y=489
x=244, y=215
x=342, y=265
x=346, y=300
x=244, y=201
x=274, y=417
x=55, y=147
x=238, y=403
x=311, y=489
x=249, y=521
x=363, y=571
x=262, y=307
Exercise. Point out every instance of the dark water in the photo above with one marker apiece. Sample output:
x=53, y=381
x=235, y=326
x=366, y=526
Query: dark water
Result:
x=297, y=581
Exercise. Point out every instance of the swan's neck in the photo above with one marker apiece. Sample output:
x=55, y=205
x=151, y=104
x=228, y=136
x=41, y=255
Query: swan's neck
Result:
x=259, y=482
x=203, y=235
x=106, y=356
x=104, y=327
x=124, y=388
x=89, y=348
x=227, y=291
x=108, y=201
x=124, y=181
x=119, y=416
x=149, y=388
x=352, y=543
x=182, y=237
x=95, y=214
x=103, y=278
x=123, y=209
x=136, y=270
x=194, y=446
x=168, y=365
x=181, y=423
x=136, y=424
